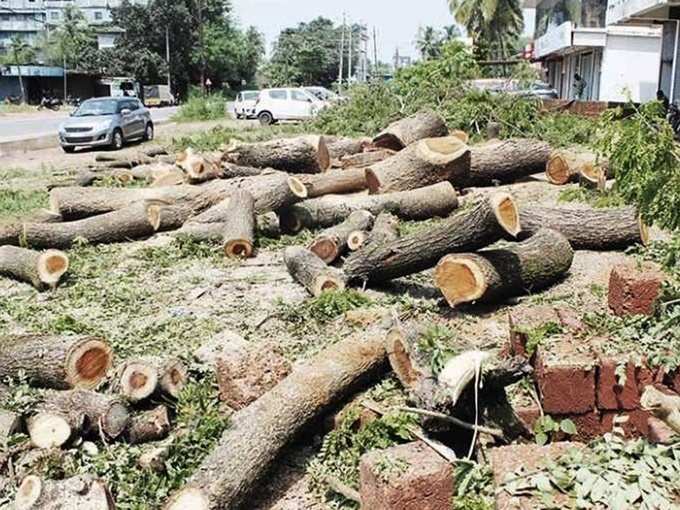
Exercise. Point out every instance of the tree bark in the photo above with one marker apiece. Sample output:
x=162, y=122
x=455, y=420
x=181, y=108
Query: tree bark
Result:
x=312, y=272
x=566, y=166
x=83, y=492
x=477, y=226
x=40, y=269
x=140, y=378
x=492, y=275
x=304, y=154
x=436, y=200
x=406, y=131
x=505, y=161
x=152, y=425
x=364, y=159
x=339, y=147
x=198, y=167
x=260, y=431
x=665, y=407
x=423, y=163
x=238, y=235
x=332, y=242
x=587, y=228
x=55, y=361
x=327, y=183
x=10, y=233
x=229, y=171
x=266, y=225
x=10, y=423
x=385, y=229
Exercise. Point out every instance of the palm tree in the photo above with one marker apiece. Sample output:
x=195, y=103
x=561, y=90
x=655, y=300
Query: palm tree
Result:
x=451, y=32
x=21, y=52
x=429, y=42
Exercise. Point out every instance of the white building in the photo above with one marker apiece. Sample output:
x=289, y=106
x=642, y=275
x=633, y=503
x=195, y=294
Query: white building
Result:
x=618, y=63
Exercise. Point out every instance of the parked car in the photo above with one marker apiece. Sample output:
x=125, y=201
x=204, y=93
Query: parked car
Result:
x=244, y=106
x=106, y=121
x=538, y=89
x=158, y=95
x=274, y=105
x=323, y=94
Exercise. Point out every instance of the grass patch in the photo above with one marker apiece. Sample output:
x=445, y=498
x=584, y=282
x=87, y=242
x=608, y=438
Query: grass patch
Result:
x=20, y=202
x=593, y=198
x=202, y=107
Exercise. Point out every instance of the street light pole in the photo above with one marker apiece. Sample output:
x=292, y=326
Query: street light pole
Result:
x=342, y=54
x=167, y=54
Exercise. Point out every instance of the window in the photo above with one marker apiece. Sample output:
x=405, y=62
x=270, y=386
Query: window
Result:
x=54, y=15
x=278, y=94
x=98, y=15
x=299, y=95
x=4, y=17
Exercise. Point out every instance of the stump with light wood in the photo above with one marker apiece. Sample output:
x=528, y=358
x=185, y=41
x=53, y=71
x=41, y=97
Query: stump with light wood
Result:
x=311, y=272
x=238, y=232
x=303, y=154
x=332, y=242
x=198, y=167
x=83, y=492
x=573, y=165
x=385, y=229
x=406, y=131
x=40, y=269
x=140, y=378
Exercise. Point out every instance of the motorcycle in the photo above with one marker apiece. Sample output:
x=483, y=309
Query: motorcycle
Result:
x=673, y=118
x=51, y=103
x=73, y=101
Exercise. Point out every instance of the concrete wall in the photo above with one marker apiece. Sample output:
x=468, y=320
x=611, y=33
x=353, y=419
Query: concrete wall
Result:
x=630, y=68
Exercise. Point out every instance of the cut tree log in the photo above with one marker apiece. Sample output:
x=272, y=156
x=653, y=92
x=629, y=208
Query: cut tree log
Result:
x=364, y=159
x=303, y=154
x=339, y=147
x=404, y=132
x=421, y=164
x=229, y=171
x=479, y=225
x=505, y=161
x=493, y=275
x=149, y=152
x=332, y=242
x=385, y=229
x=327, y=183
x=140, y=378
x=59, y=362
x=40, y=269
x=147, y=426
x=260, y=431
x=82, y=492
x=65, y=414
x=10, y=423
x=569, y=165
x=238, y=234
x=10, y=232
x=312, y=272
x=198, y=167
x=663, y=406
x=266, y=225
x=328, y=210
x=588, y=228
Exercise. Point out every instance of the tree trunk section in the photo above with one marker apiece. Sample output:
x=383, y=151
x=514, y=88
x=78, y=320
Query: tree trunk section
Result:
x=152, y=425
x=477, y=226
x=198, y=167
x=332, y=242
x=385, y=229
x=409, y=130
x=141, y=378
x=340, y=147
x=266, y=225
x=238, y=235
x=664, y=407
x=421, y=164
x=565, y=166
x=506, y=161
x=327, y=183
x=304, y=154
x=40, y=269
x=312, y=272
x=587, y=228
x=420, y=204
x=493, y=275
x=83, y=492
x=260, y=431
x=55, y=361
x=364, y=159
x=10, y=233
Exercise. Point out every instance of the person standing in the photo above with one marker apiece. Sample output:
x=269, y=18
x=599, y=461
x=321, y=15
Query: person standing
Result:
x=580, y=86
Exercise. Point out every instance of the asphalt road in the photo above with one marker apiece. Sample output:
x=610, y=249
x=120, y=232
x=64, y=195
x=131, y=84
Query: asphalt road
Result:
x=19, y=127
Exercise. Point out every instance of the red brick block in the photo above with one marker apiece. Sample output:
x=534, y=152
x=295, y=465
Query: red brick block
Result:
x=636, y=425
x=634, y=288
x=506, y=460
x=658, y=432
x=614, y=393
x=589, y=426
x=566, y=378
x=528, y=415
x=405, y=477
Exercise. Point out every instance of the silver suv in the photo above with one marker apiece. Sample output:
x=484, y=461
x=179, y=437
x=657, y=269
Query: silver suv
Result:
x=106, y=121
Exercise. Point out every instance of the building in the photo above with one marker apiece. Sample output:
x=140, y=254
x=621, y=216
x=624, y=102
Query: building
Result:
x=573, y=37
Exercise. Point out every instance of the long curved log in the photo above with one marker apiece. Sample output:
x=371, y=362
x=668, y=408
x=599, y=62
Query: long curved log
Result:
x=588, y=228
x=491, y=275
x=302, y=154
x=404, y=132
x=259, y=432
x=479, y=225
x=40, y=269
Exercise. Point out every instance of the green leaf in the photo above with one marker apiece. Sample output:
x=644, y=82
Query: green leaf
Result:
x=568, y=427
x=541, y=438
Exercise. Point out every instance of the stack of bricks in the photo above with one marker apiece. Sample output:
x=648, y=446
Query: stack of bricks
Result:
x=577, y=381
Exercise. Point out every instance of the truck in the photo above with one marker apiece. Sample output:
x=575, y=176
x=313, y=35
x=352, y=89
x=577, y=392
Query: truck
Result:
x=158, y=95
x=118, y=87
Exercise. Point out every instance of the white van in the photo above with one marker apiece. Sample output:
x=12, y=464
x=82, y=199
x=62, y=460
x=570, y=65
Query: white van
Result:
x=244, y=106
x=274, y=105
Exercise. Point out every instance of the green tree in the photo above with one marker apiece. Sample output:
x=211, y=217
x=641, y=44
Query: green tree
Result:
x=429, y=42
x=20, y=53
x=72, y=43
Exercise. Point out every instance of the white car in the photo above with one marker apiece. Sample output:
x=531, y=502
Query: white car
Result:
x=244, y=106
x=323, y=94
x=274, y=105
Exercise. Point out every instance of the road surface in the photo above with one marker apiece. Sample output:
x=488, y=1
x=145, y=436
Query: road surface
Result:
x=34, y=125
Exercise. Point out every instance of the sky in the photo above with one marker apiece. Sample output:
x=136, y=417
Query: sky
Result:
x=396, y=22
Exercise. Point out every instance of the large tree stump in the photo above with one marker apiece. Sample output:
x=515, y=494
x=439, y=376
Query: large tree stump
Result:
x=477, y=226
x=147, y=426
x=491, y=275
x=40, y=269
x=566, y=166
x=58, y=362
x=260, y=431
x=303, y=154
x=420, y=204
x=404, y=132
x=239, y=226
x=425, y=162
x=505, y=161
x=312, y=272
x=331, y=243
x=587, y=228
x=66, y=414
x=81, y=492
x=327, y=183
x=140, y=378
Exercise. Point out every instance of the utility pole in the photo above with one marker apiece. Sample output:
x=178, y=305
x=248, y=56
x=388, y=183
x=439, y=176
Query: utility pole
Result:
x=201, y=43
x=375, y=53
x=167, y=53
x=342, y=53
x=65, y=78
x=349, y=63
